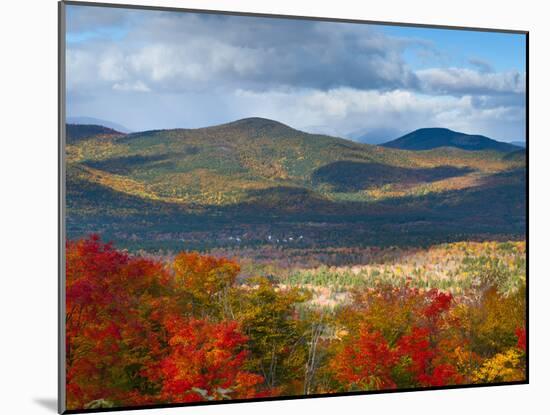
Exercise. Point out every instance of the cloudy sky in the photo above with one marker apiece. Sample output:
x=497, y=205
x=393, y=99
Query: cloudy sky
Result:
x=150, y=69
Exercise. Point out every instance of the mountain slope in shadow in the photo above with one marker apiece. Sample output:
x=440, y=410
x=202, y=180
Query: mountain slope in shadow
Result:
x=429, y=138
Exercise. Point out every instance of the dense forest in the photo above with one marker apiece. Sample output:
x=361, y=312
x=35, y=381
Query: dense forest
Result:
x=142, y=330
x=257, y=182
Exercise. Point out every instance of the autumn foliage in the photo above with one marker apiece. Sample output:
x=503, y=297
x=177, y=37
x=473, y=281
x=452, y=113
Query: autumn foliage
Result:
x=405, y=337
x=132, y=341
x=144, y=331
x=205, y=360
x=409, y=350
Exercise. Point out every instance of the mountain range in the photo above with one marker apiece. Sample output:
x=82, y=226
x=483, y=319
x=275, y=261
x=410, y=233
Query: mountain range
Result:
x=266, y=177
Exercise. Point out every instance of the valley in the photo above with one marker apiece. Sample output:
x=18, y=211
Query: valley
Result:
x=257, y=182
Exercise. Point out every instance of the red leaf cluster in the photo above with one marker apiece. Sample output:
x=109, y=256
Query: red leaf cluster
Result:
x=522, y=338
x=370, y=362
x=366, y=363
x=128, y=338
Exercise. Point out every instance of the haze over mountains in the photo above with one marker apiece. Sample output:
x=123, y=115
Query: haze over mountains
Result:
x=374, y=135
x=265, y=177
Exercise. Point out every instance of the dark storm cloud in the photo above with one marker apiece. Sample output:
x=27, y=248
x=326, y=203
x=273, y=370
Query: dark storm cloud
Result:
x=189, y=52
x=193, y=52
x=162, y=70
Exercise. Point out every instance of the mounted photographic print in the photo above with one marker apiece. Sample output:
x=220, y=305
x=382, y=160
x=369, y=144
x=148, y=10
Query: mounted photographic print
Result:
x=258, y=207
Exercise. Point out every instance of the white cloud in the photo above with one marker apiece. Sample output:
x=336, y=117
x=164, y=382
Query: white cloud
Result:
x=111, y=67
x=137, y=86
x=202, y=69
x=183, y=52
x=343, y=110
x=468, y=81
x=81, y=70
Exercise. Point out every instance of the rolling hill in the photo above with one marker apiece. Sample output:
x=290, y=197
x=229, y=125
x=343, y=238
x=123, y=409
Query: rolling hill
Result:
x=518, y=155
x=430, y=138
x=77, y=132
x=98, y=121
x=199, y=185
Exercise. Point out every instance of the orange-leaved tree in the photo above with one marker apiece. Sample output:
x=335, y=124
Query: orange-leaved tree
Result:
x=128, y=321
